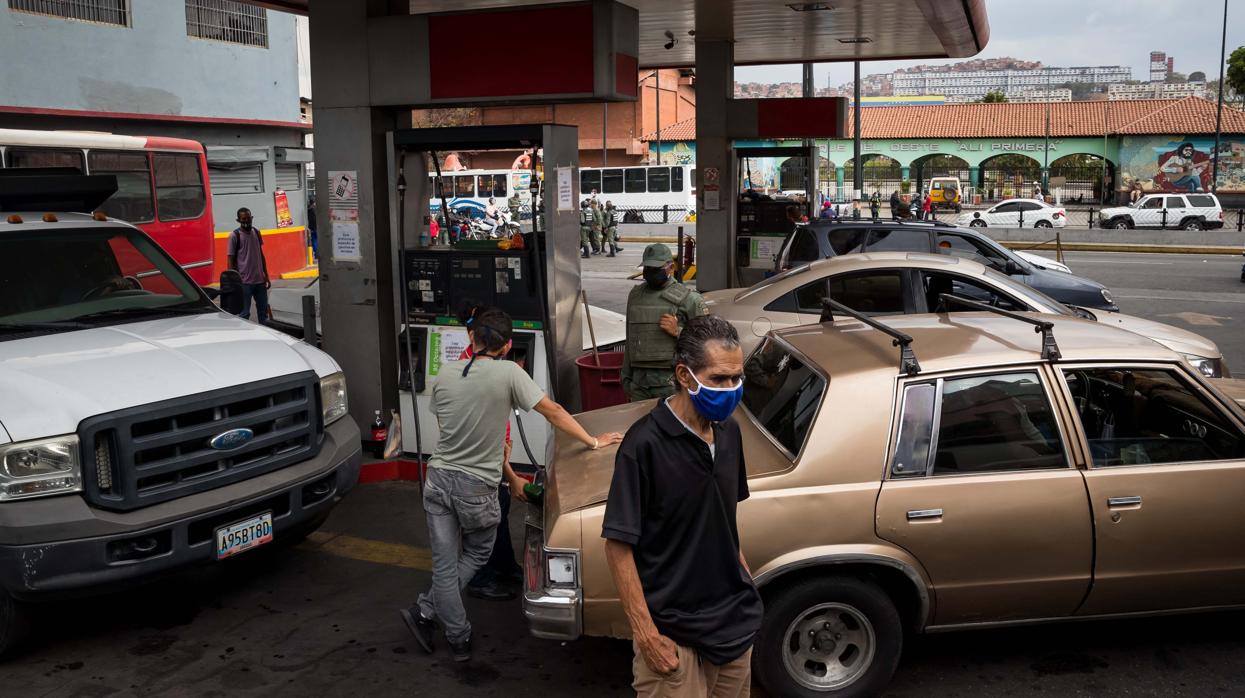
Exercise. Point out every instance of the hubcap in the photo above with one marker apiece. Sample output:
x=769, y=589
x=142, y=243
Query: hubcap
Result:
x=828, y=647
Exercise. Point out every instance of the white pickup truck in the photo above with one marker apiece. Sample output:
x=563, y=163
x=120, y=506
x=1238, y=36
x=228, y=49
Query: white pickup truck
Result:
x=142, y=429
x=1180, y=211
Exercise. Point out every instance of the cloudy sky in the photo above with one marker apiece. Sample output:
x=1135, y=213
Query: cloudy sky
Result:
x=1077, y=32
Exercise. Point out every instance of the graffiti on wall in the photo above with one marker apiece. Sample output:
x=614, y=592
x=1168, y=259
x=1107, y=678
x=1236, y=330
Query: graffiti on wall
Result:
x=1165, y=163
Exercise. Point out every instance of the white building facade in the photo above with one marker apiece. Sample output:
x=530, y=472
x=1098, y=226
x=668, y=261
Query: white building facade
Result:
x=972, y=85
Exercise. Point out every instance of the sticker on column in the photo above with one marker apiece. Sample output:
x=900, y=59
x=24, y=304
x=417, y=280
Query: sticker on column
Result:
x=566, y=192
x=713, y=197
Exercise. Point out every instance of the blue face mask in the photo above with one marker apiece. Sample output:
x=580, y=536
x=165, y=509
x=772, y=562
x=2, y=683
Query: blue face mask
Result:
x=715, y=404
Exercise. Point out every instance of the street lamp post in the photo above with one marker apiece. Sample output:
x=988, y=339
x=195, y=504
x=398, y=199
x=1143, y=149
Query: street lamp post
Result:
x=1223, y=46
x=858, y=172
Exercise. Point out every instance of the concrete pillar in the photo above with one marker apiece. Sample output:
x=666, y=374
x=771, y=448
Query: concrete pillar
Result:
x=358, y=297
x=838, y=183
x=714, y=228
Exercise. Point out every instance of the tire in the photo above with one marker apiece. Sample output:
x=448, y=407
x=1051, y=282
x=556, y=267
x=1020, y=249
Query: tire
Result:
x=843, y=606
x=14, y=623
x=957, y=208
x=977, y=223
x=1191, y=224
x=1042, y=224
x=1121, y=224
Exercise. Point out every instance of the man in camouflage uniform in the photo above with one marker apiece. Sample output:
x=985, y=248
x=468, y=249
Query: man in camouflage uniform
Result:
x=611, y=229
x=598, y=225
x=657, y=310
x=515, y=209
x=586, y=219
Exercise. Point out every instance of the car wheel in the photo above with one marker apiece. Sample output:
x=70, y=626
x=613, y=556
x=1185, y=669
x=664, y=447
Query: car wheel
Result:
x=837, y=636
x=1042, y=224
x=978, y=223
x=1191, y=225
x=14, y=622
x=957, y=208
x=1121, y=224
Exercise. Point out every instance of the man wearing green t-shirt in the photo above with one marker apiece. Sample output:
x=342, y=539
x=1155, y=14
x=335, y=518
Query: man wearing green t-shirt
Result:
x=472, y=401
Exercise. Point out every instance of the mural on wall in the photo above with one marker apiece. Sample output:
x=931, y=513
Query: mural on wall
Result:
x=1164, y=163
x=677, y=153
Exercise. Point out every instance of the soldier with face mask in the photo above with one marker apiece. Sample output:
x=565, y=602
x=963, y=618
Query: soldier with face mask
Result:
x=657, y=310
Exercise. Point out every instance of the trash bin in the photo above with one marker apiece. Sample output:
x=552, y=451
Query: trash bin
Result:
x=600, y=386
x=230, y=299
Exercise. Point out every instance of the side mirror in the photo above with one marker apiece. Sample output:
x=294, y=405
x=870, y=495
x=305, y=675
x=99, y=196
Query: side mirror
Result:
x=1011, y=268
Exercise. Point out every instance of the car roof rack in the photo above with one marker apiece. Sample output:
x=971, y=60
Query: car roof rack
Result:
x=1050, y=350
x=907, y=358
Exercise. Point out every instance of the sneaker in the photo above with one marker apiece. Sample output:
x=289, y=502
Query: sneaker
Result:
x=421, y=627
x=492, y=590
x=461, y=651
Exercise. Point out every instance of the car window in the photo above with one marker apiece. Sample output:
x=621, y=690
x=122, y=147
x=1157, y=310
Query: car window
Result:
x=1134, y=416
x=781, y=394
x=977, y=424
x=1153, y=202
x=897, y=240
x=1201, y=200
x=1175, y=202
x=846, y=240
x=877, y=292
x=937, y=283
x=967, y=247
x=1010, y=207
x=803, y=247
x=1030, y=206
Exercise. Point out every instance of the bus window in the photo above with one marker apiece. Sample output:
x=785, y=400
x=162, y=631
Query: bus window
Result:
x=465, y=187
x=179, y=186
x=589, y=180
x=491, y=185
x=46, y=157
x=133, y=202
x=612, y=181
x=447, y=187
x=692, y=172
x=633, y=180
x=659, y=179
x=676, y=179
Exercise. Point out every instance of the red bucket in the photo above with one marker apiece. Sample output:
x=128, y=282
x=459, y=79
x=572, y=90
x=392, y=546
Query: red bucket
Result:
x=600, y=386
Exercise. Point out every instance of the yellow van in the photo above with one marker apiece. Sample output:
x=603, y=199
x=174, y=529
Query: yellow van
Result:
x=945, y=192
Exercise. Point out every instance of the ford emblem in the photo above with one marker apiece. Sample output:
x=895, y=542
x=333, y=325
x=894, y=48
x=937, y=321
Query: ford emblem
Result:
x=229, y=440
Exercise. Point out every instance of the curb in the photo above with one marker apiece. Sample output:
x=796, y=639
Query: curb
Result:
x=1067, y=246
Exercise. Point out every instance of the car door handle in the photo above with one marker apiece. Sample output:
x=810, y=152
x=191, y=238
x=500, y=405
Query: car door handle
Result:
x=1118, y=502
x=918, y=514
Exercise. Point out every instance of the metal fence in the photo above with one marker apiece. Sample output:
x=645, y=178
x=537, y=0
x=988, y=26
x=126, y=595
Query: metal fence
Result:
x=102, y=11
x=229, y=21
x=656, y=214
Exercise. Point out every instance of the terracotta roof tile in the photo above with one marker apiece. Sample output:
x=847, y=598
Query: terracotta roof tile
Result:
x=1188, y=115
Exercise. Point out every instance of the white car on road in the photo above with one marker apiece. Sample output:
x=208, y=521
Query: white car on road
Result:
x=1183, y=211
x=1016, y=213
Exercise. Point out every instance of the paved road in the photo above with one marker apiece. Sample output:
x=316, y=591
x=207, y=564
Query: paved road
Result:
x=1203, y=294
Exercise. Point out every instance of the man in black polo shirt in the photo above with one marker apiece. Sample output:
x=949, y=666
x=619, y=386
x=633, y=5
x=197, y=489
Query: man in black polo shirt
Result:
x=671, y=537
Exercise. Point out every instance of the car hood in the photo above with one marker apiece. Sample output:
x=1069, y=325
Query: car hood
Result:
x=1067, y=288
x=1115, y=211
x=580, y=477
x=53, y=382
x=1174, y=338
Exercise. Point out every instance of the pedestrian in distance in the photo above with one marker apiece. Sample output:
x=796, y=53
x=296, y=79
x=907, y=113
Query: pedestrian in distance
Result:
x=312, y=237
x=927, y=207
x=896, y=205
x=671, y=537
x=657, y=311
x=586, y=218
x=472, y=401
x=1134, y=194
x=598, y=225
x=875, y=205
x=828, y=212
x=611, y=229
x=245, y=255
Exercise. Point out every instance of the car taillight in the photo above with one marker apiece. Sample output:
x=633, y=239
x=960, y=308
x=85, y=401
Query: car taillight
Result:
x=1221, y=215
x=1058, y=214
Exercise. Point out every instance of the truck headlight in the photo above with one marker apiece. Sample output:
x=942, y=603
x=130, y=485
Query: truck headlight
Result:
x=333, y=402
x=1211, y=368
x=37, y=468
x=560, y=570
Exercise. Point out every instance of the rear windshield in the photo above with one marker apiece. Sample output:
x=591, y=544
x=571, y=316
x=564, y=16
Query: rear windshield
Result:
x=782, y=394
x=1201, y=200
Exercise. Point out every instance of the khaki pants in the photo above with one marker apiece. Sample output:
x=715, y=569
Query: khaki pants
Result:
x=695, y=678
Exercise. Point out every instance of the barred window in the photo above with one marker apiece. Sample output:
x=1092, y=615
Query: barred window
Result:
x=226, y=20
x=103, y=11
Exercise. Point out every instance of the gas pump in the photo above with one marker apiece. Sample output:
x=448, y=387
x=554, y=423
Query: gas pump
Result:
x=762, y=221
x=535, y=280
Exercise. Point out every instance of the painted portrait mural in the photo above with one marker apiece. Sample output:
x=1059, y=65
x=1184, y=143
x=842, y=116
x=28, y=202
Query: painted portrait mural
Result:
x=1179, y=164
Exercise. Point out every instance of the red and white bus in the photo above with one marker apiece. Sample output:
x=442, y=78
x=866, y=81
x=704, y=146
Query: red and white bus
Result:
x=162, y=184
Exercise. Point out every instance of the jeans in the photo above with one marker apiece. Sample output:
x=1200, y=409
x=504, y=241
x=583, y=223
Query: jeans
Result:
x=501, y=562
x=462, y=516
x=1190, y=183
x=260, y=293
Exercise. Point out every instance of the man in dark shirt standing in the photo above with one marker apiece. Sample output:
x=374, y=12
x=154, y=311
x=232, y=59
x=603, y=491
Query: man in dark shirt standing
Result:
x=671, y=537
x=246, y=256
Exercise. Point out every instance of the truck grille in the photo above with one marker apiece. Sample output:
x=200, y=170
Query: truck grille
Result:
x=142, y=455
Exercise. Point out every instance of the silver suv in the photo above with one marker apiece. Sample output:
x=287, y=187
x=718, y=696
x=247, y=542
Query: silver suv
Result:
x=1183, y=211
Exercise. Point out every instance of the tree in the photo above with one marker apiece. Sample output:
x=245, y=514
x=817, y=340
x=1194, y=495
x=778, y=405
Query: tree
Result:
x=1235, y=79
x=1176, y=77
x=1197, y=76
x=993, y=97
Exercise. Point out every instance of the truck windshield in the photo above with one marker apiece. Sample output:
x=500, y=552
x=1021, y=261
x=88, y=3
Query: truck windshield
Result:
x=78, y=278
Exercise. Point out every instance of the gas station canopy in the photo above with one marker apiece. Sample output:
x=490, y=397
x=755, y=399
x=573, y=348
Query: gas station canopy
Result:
x=778, y=31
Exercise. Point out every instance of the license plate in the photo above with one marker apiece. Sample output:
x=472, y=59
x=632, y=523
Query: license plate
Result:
x=244, y=535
